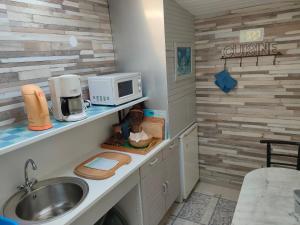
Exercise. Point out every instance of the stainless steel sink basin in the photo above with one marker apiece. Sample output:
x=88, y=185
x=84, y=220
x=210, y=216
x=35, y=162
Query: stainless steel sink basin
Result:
x=47, y=200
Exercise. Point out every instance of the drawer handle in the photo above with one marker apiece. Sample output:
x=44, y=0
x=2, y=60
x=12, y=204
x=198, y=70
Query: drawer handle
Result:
x=153, y=162
x=167, y=184
x=165, y=188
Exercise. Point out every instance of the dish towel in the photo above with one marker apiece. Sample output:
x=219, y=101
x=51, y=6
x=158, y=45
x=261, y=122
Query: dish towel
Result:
x=6, y=221
x=224, y=81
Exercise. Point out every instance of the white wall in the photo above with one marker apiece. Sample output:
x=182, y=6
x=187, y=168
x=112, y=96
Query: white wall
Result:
x=52, y=154
x=179, y=27
x=144, y=33
x=138, y=37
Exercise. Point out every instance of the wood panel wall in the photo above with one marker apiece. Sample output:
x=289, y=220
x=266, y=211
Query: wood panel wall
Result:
x=266, y=102
x=44, y=38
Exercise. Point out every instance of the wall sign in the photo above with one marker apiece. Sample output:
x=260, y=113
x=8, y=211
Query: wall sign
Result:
x=250, y=49
x=251, y=45
x=252, y=35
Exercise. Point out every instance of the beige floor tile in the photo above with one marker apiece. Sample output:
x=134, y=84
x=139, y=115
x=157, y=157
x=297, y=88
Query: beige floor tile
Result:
x=218, y=191
x=168, y=220
x=179, y=221
x=199, y=208
x=175, y=208
x=223, y=213
x=209, y=211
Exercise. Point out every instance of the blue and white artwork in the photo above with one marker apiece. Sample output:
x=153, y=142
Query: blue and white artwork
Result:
x=183, y=61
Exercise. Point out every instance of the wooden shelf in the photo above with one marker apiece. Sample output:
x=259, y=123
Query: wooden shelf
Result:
x=17, y=136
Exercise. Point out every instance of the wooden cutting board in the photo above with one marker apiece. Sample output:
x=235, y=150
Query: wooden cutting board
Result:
x=128, y=148
x=96, y=174
x=154, y=126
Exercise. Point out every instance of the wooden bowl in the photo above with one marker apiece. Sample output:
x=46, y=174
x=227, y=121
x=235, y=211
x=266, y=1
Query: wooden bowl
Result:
x=140, y=144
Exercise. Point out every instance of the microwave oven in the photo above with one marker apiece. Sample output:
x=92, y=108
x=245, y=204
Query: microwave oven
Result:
x=115, y=89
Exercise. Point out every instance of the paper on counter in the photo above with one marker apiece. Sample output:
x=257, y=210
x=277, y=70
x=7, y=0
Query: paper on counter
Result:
x=102, y=164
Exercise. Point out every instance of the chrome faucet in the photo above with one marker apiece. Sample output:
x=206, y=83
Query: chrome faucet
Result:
x=27, y=187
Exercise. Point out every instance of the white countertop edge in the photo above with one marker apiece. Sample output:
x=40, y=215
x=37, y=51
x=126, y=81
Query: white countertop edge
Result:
x=99, y=188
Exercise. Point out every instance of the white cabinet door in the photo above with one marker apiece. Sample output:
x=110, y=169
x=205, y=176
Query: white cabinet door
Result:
x=153, y=196
x=171, y=163
x=191, y=168
x=160, y=183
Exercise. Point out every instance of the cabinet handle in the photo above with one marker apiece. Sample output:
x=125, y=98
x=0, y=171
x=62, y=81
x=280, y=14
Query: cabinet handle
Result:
x=167, y=184
x=153, y=162
x=165, y=188
x=172, y=145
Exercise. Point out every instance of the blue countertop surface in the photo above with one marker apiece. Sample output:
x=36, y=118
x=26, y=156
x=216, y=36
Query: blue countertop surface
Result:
x=19, y=131
x=18, y=135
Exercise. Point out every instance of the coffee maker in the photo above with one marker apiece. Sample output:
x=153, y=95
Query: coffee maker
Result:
x=66, y=97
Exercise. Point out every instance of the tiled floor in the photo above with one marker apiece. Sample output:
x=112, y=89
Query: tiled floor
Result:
x=207, y=205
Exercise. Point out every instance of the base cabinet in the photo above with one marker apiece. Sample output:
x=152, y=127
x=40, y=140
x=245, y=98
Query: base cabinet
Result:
x=160, y=183
x=151, y=189
x=172, y=177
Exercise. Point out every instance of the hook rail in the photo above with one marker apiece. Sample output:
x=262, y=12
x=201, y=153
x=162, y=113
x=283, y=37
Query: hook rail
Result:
x=249, y=56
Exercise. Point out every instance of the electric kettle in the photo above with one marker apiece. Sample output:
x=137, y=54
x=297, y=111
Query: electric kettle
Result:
x=36, y=107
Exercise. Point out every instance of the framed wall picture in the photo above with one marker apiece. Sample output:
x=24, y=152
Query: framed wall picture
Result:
x=183, y=60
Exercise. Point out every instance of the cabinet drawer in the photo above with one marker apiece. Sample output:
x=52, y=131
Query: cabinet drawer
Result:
x=150, y=164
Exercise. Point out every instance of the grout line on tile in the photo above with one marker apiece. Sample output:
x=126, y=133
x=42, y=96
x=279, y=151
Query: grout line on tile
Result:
x=213, y=214
x=209, y=213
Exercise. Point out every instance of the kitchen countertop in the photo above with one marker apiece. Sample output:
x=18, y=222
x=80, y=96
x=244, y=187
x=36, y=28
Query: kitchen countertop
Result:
x=267, y=198
x=99, y=188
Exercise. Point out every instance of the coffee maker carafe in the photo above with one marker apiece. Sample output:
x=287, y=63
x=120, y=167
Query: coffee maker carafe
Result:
x=66, y=97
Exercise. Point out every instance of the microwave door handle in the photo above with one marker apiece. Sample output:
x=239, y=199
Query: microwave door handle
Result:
x=64, y=107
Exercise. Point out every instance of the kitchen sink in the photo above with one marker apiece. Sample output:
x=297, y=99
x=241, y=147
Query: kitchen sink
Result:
x=47, y=200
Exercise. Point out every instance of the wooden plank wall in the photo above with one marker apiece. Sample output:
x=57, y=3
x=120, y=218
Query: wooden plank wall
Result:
x=38, y=40
x=266, y=103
